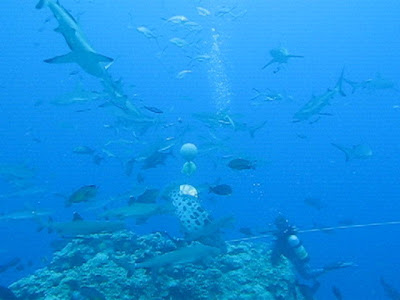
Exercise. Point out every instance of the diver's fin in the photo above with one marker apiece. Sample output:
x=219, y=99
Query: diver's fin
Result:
x=62, y=59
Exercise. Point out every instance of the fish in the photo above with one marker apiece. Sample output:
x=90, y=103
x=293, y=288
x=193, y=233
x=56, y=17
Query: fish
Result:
x=314, y=203
x=155, y=159
x=91, y=293
x=199, y=58
x=97, y=159
x=83, y=194
x=78, y=226
x=253, y=129
x=139, y=211
x=246, y=231
x=183, y=74
x=7, y=294
x=193, y=26
x=280, y=55
x=377, y=83
x=16, y=172
x=242, y=164
x=25, y=214
x=345, y=222
x=263, y=97
x=185, y=255
x=220, y=189
x=147, y=32
x=148, y=196
x=78, y=96
x=153, y=109
x=210, y=230
x=308, y=292
x=13, y=262
x=178, y=20
x=83, y=150
x=203, y=11
x=390, y=291
x=179, y=42
x=227, y=11
x=82, y=52
x=337, y=293
x=317, y=103
x=140, y=178
x=25, y=191
x=129, y=166
x=359, y=151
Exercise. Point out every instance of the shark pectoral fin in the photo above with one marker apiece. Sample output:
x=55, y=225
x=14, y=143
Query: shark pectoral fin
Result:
x=100, y=57
x=40, y=4
x=298, y=56
x=269, y=63
x=62, y=59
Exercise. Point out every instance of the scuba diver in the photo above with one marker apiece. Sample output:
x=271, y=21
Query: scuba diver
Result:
x=288, y=244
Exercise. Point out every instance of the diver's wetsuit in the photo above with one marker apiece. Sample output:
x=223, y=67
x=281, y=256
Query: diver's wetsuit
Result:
x=288, y=244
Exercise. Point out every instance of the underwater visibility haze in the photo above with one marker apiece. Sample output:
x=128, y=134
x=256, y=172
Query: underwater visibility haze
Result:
x=199, y=149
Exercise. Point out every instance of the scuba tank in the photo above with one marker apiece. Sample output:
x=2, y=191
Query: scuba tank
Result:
x=297, y=247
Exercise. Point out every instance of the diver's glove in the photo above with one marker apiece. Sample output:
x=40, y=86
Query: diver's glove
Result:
x=339, y=265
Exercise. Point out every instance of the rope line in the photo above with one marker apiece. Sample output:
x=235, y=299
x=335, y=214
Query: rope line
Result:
x=319, y=230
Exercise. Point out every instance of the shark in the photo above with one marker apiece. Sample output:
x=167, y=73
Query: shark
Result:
x=188, y=254
x=390, y=291
x=280, y=56
x=360, y=151
x=24, y=214
x=373, y=84
x=317, y=103
x=138, y=210
x=78, y=226
x=82, y=52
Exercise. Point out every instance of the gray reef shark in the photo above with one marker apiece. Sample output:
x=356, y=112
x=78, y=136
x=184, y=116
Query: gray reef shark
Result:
x=377, y=83
x=280, y=56
x=317, y=103
x=188, y=254
x=85, y=56
x=360, y=151
x=81, y=51
x=140, y=211
x=78, y=226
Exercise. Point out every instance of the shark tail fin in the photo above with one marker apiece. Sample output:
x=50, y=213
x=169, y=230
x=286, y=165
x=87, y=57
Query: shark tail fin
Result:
x=339, y=84
x=269, y=63
x=254, y=129
x=41, y=4
x=353, y=84
x=344, y=150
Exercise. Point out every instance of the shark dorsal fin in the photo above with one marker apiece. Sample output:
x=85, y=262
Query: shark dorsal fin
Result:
x=76, y=217
x=131, y=200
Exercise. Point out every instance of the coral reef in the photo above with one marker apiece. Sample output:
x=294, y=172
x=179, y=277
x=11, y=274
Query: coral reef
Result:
x=102, y=266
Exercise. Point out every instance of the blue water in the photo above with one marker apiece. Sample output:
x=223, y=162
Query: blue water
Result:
x=295, y=160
